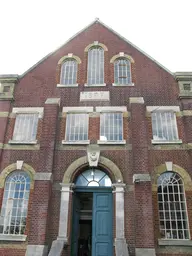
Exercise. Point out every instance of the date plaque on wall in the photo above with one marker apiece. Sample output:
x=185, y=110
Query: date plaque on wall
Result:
x=97, y=95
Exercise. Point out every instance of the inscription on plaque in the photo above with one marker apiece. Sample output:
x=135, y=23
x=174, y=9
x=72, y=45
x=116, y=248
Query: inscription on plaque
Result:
x=97, y=95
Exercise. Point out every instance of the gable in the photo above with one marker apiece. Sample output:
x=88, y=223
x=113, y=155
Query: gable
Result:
x=97, y=31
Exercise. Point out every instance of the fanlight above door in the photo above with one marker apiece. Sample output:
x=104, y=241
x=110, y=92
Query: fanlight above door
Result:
x=93, y=178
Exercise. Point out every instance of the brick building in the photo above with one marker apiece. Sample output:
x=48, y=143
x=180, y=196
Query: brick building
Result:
x=96, y=153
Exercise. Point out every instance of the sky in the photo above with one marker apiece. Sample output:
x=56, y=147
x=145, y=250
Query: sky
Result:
x=29, y=30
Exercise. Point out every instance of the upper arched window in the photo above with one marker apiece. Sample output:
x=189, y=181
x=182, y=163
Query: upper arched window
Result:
x=172, y=207
x=95, y=72
x=15, y=203
x=122, y=71
x=69, y=72
x=93, y=178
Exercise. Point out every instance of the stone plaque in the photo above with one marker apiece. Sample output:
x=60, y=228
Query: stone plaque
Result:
x=97, y=95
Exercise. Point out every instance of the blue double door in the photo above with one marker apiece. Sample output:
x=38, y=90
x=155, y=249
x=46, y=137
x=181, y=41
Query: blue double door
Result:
x=101, y=225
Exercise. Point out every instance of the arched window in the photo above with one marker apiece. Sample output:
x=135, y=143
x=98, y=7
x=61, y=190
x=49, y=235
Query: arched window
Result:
x=69, y=72
x=122, y=71
x=93, y=178
x=95, y=72
x=15, y=203
x=172, y=207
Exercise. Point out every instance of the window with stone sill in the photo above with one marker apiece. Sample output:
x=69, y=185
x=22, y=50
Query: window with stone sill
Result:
x=111, y=127
x=122, y=72
x=69, y=72
x=164, y=126
x=76, y=127
x=173, y=217
x=25, y=129
x=95, y=71
x=15, y=204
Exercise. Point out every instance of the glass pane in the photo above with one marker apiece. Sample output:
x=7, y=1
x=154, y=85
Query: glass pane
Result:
x=93, y=184
x=69, y=72
x=92, y=177
x=81, y=181
x=14, y=202
x=172, y=206
x=95, y=66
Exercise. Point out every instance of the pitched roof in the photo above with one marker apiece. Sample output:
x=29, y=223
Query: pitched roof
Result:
x=110, y=29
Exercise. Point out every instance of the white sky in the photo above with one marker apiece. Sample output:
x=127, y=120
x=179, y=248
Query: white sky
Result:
x=30, y=29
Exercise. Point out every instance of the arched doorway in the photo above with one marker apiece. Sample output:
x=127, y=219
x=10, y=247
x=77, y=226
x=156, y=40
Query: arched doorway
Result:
x=92, y=223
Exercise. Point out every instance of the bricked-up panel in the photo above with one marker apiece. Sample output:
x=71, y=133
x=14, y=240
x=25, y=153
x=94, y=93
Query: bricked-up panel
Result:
x=144, y=226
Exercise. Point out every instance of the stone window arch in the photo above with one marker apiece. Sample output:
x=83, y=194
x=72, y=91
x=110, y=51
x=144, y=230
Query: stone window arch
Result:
x=171, y=185
x=15, y=203
x=173, y=216
x=68, y=70
x=122, y=69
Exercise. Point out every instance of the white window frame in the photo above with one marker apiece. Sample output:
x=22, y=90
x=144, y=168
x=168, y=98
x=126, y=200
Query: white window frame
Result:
x=102, y=119
x=69, y=69
x=68, y=130
x=158, y=127
x=95, y=65
x=16, y=113
x=172, y=205
x=118, y=72
x=15, y=206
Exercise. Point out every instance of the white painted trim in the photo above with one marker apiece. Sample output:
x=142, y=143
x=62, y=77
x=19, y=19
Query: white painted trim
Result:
x=43, y=176
x=122, y=142
x=77, y=109
x=163, y=108
x=9, y=237
x=111, y=109
x=80, y=142
x=175, y=242
x=141, y=177
x=29, y=110
x=36, y=250
x=53, y=101
x=23, y=142
x=139, y=100
x=166, y=142
x=94, y=85
x=145, y=252
x=66, y=86
x=125, y=85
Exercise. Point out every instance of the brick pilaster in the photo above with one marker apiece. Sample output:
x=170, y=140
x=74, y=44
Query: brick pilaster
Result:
x=144, y=228
x=42, y=187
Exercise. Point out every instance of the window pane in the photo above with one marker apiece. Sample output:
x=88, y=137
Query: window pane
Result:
x=93, y=177
x=69, y=72
x=111, y=127
x=172, y=207
x=25, y=127
x=122, y=71
x=76, y=127
x=164, y=126
x=15, y=203
x=95, y=72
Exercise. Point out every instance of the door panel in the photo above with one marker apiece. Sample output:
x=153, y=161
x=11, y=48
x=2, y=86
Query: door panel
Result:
x=102, y=224
x=75, y=225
